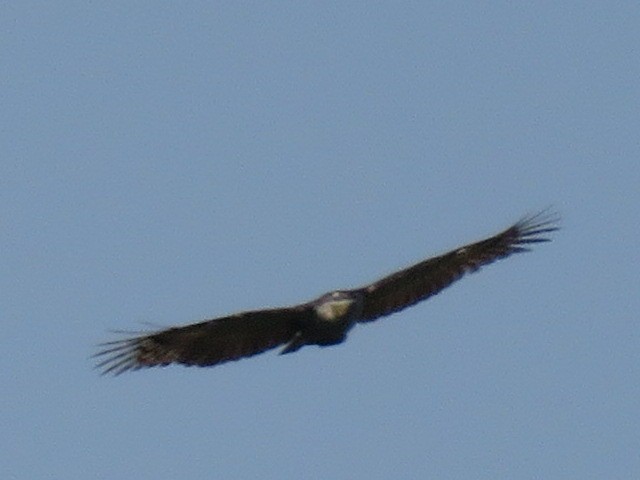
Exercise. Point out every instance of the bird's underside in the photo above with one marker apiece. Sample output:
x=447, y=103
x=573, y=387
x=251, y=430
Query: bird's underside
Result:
x=323, y=321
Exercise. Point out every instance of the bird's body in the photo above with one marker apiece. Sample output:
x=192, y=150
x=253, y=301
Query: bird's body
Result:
x=332, y=316
x=323, y=321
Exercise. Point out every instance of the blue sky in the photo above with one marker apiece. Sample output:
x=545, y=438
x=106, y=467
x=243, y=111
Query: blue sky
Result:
x=166, y=162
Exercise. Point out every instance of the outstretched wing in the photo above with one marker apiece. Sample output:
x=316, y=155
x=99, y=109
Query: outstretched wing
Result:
x=414, y=284
x=206, y=343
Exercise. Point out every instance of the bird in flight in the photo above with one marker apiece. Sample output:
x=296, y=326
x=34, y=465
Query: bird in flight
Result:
x=323, y=321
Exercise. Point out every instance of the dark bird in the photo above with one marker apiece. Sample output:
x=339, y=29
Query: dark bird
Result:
x=323, y=321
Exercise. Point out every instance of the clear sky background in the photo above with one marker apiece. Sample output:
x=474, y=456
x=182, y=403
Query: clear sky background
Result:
x=166, y=162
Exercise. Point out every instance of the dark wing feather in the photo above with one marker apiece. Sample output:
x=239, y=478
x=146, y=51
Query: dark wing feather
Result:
x=206, y=343
x=414, y=284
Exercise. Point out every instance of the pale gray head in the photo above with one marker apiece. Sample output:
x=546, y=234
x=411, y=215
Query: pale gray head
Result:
x=336, y=306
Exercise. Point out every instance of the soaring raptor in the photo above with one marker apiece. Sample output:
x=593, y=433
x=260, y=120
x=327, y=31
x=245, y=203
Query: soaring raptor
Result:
x=323, y=321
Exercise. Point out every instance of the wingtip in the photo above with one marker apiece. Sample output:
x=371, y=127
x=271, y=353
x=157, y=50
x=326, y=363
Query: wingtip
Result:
x=546, y=220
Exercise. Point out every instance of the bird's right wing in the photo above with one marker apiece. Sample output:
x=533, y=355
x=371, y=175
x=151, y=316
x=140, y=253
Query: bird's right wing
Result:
x=206, y=343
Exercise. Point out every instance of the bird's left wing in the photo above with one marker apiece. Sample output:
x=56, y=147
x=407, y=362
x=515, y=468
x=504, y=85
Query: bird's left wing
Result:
x=418, y=282
x=206, y=343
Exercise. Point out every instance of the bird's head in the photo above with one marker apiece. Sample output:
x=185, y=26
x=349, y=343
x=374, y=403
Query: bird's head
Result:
x=335, y=306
